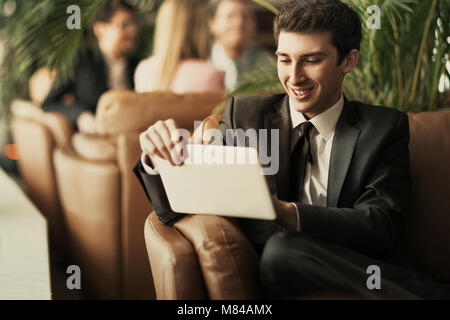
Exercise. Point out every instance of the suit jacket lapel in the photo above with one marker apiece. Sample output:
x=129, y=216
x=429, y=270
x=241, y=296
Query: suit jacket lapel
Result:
x=279, y=118
x=344, y=142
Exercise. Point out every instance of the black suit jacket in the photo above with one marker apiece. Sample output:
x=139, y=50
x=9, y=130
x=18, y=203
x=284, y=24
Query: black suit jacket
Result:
x=88, y=83
x=368, y=184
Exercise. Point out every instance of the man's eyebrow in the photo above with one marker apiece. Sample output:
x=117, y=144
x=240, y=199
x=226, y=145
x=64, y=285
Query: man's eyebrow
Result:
x=312, y=54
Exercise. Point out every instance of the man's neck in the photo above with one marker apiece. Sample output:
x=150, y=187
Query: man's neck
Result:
x=309, y=116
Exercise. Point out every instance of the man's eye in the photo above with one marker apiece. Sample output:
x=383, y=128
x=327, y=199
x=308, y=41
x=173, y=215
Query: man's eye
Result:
x=314, y=61
x=284, y=61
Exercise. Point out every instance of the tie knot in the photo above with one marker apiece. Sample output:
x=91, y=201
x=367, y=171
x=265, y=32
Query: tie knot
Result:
x=305, y=127
x=302, y=130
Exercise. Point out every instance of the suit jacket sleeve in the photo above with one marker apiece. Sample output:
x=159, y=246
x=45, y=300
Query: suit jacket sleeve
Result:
x=374, y=223
x=154, y=189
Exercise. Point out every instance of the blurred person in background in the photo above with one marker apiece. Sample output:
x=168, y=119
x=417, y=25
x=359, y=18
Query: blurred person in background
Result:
x=234, y=27
x=182, y=45
x=105, y=66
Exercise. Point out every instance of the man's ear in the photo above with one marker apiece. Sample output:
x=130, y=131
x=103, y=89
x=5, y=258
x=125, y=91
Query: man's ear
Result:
x=350, y=61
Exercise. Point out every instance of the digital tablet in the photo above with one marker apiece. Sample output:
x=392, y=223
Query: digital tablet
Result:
x=218, y=180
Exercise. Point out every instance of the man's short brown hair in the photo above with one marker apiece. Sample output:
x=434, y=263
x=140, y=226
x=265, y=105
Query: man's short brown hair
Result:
x=322, y=15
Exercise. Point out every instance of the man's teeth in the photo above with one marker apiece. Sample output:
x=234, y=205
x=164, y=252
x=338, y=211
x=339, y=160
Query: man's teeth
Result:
x=302, y=92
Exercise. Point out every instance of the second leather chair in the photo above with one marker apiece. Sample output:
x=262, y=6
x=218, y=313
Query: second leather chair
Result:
x=104, y=206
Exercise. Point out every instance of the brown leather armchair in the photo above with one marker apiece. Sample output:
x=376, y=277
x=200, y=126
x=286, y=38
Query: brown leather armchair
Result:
x=36, y=135
x=208, y=257
x=103, y=204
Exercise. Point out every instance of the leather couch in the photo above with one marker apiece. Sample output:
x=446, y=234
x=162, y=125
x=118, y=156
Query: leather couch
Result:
x=103, y=204
x=208, y=257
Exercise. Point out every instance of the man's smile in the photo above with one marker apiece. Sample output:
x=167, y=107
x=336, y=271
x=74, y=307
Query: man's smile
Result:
x=301, y=93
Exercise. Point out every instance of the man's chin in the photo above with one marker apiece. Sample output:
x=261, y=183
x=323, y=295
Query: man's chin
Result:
x=301, y=106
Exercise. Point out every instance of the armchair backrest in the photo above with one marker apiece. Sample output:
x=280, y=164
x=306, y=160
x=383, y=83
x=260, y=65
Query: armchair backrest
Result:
x=127, y=111
x=428, y=223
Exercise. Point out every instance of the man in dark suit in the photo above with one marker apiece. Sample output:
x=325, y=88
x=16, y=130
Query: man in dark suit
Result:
x=343, y=185
x=103, y=67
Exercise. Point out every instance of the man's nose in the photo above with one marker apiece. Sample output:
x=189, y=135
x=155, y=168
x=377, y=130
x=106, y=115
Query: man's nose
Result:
x=297, y=73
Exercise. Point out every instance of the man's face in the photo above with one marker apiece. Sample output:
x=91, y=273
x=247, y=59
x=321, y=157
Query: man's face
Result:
x=308, y=70
x=117, y=36
x=234, y=24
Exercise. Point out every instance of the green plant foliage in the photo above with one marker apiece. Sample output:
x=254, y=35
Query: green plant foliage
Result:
x=402, y=63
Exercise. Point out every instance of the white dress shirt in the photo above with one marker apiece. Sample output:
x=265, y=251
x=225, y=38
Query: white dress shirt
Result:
x=321, y=142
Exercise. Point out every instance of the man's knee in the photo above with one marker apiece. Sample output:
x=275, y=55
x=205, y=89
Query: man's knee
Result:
x=287, y=255
x=285, y=245
x=284, y=249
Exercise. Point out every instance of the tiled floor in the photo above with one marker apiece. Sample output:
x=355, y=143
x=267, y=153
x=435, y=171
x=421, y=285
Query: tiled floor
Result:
x=58, y=273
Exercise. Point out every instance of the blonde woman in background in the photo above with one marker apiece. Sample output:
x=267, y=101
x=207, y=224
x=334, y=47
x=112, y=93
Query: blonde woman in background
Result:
x=181, y=48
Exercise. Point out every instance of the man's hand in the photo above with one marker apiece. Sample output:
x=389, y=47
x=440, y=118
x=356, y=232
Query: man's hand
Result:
x=286, y=214
x=86, y=123
x=163, y=139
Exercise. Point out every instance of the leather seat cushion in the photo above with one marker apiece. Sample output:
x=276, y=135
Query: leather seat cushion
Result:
x=94, y=147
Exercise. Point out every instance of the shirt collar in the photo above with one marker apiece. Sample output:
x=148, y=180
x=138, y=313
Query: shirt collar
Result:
x=325, y=122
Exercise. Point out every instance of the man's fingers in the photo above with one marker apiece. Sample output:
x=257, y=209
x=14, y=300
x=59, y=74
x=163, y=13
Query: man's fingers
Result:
x=154, y=136
x=164, y=133
x=175, y=135
x=163, y=138
x=148, y=147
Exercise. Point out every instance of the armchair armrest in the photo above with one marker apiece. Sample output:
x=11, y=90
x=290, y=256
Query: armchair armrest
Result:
x=175, y=269
x=59, y=127
x=228, y=261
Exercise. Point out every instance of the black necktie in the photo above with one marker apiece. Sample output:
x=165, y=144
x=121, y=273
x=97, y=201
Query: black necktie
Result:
x=300, y=155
